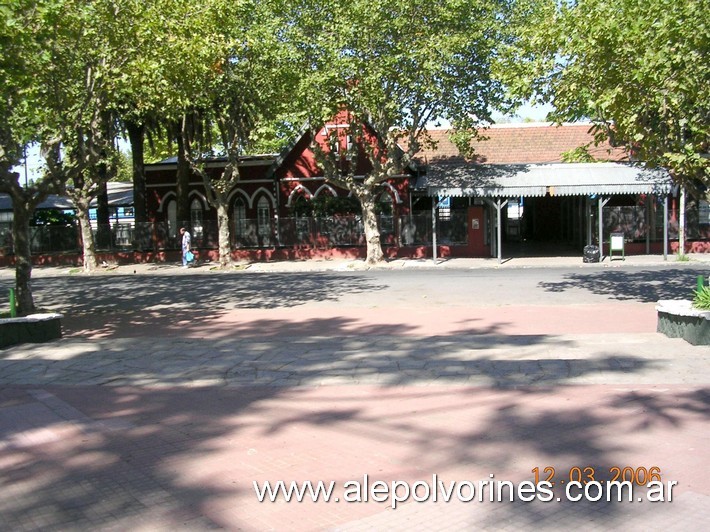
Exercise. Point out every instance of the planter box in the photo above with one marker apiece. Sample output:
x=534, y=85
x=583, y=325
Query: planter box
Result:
x=33, y=328
x=678, y=319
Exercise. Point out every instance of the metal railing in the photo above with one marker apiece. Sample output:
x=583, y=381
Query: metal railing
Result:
x=318, y=233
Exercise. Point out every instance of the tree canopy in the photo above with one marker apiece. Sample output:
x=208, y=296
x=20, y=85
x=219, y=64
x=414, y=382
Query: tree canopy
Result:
x=235, y=77
x=638, y=69
x=393, y=69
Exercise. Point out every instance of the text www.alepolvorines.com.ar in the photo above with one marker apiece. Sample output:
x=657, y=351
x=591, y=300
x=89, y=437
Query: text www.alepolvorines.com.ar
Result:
x=397, y=491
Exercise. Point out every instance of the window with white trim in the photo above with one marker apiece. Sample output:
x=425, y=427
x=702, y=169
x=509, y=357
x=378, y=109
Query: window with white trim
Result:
x=240, y=218
x=172, y=218
x=196, y=212
x=263, y=217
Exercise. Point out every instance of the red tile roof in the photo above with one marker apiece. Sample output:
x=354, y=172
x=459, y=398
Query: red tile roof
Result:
x=522, y=143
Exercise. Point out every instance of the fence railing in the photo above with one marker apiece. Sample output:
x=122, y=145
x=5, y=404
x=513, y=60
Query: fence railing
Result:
x=318, y=233
x=307, y=232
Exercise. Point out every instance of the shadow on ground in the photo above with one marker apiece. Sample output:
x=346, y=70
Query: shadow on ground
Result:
x=127, y=456
x=81, y=294
x=643, y=286
x=188, y=457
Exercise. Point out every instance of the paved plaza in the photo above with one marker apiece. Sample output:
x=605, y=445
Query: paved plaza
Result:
x=173, y=390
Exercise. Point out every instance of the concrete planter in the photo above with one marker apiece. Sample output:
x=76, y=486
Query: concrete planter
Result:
x=678, y=319
x=33, y=328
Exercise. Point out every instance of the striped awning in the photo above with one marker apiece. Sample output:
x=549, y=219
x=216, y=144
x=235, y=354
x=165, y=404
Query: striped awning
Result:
x=536, y=180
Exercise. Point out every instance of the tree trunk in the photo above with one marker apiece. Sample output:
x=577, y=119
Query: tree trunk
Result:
x=136, y=134
x=23, y=256
x=369, y=220
x=141, y=231
x=87, y=236
x=183, y=185
x=681, y=222
x=225, y=248
x=103, y=222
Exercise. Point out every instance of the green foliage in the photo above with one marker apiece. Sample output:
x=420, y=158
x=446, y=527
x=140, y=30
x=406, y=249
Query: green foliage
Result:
x=400, y=66
x=25, y=45
x=682, y=257
x=158, y=149
x=702, y=298
x=637, y=68
x=124, y=168
x=52, y=217
x=580, y=154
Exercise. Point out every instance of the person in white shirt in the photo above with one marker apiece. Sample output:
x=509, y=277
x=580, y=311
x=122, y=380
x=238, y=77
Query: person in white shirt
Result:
x=186, y=244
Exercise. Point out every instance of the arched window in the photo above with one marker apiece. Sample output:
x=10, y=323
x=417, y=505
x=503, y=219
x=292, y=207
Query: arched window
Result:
x=385, y=210
x=263, y=217
x=301, y=207
x=196, y=218
x=240, y=218
x=172, y=218
x=385, y=202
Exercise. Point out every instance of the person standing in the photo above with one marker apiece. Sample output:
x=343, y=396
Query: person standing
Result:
x=186, y=245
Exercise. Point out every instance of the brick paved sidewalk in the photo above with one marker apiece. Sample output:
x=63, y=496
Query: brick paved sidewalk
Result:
x=157, y=459
x=153, y=421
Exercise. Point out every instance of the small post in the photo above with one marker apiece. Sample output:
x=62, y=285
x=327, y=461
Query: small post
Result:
x=13, y=304
x=701, y=283
x=433, y=227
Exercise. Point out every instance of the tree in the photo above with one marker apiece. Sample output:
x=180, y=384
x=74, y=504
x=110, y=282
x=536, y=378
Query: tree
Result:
x=391, y=69
x=25, y=40
x=250, y=89
x=166, y=61
x=637, y=68
x=79, y=132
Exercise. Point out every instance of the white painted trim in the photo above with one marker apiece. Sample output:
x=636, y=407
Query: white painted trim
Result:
x=165, y=199
x=295, y=191
x=323, y=178
x=393, y=190
x=267, y=192
x=205, y=204
x=289, y=179
x=202, y=184
x=231, y=199
x=327, y=187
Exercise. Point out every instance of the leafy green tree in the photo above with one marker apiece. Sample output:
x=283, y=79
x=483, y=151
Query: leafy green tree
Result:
x=166, y=55
x=124, y=169
x=79, y=141
x=242, y=102
x=637, y=68
x=387, y=70
x=26, y=44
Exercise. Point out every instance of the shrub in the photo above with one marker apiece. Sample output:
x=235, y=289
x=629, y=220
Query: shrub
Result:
x=702, y=298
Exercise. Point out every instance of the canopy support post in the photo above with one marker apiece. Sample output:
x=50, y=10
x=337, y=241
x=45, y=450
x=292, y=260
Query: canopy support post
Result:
x=602, y=203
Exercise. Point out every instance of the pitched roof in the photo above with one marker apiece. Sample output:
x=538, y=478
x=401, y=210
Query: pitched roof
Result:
x=536, y=143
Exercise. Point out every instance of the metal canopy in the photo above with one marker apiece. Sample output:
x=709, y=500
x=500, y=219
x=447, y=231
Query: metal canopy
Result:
x=536, y=180
x=496, y=182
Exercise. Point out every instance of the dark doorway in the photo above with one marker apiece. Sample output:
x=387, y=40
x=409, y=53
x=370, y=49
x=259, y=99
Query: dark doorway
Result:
x=549, y=226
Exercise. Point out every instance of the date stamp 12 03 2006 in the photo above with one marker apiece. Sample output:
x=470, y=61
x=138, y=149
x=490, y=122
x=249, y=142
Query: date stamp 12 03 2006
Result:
x=639, y=476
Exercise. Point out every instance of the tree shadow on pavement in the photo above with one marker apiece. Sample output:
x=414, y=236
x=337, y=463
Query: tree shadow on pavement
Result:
x=127, y=293
x=174, y=428
x=155, y=458
x=644, y=286
x=202, y=323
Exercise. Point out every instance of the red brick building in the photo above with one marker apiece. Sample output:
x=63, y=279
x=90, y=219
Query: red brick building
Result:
x=518, y=187
x=283, y=206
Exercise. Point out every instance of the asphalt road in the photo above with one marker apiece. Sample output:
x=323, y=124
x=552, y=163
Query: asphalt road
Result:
x=428, y=288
